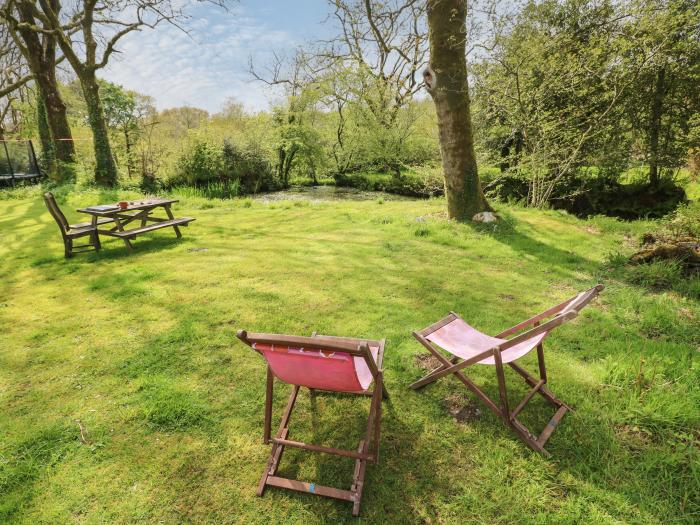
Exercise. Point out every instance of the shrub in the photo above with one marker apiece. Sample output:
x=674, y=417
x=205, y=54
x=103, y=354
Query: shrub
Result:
x=249, y=167
x=684, y=221
x=222, y=171
x=201, y=163
x=424, y=181
x=658, y=274
x=585, y=194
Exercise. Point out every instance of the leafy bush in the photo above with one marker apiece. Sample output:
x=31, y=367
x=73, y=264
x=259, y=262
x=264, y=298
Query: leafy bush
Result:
x=601, y=193
x=415, y=182
x=222, y=171
x=659, y=274
x=684, y=221
x=249, y=167
x=202, y=162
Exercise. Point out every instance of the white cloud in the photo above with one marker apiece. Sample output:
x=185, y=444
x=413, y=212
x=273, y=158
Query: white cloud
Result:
x=203, y=68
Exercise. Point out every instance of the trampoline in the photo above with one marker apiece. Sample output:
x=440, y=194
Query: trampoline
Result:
x=18, y=161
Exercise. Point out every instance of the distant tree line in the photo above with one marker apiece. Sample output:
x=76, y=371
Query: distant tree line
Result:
x=558, y=92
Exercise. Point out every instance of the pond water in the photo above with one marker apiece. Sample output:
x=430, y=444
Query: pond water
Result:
x=327, y=193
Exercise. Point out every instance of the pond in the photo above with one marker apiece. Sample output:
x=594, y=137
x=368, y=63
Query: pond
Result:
x=327, y=193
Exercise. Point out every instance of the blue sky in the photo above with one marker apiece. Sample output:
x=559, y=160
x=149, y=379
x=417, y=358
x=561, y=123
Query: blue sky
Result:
x=211, y=64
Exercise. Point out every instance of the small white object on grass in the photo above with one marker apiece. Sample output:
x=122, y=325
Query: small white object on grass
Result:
x=485, y=216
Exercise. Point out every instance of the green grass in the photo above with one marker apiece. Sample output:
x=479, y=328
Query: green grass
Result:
x=141, y=349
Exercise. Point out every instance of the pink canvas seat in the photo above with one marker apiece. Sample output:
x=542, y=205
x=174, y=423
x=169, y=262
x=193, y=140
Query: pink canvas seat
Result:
x=323, y=369
x=319, y=363
x=460, y=339
x=468, y=346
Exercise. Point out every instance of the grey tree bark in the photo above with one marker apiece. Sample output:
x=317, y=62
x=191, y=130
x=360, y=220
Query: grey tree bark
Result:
x=446, y=81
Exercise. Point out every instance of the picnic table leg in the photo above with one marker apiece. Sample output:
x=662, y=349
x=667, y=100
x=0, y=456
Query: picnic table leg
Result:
x=170, y=216
x=118, y=223
x=95, y=237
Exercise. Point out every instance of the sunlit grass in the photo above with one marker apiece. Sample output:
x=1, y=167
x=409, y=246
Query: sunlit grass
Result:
x=140, y=348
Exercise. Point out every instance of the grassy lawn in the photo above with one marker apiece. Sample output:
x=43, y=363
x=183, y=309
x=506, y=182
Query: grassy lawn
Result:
x=140, y=349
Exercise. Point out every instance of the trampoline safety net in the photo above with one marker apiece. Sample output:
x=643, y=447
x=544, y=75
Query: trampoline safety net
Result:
x=18, y=160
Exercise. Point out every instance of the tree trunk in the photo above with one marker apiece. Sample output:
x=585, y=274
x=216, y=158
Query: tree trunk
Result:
x=105, y=168
x=56, y=118
x=41, y=59
x=48, y=153
x=127, y=148
x=655, y=126
x=446, y=80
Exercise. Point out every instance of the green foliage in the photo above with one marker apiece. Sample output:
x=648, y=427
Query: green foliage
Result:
x=593, y=192
x=222, y=171
x=658, y=274
x=417, y=181
x=575, y=83
x=684, y=221
x=201, y=163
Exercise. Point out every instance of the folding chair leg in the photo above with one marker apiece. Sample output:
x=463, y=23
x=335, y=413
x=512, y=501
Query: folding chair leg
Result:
x=501, y=384
x=527, y=437
x=374, y=421
x=358, y=480
x=268, y=405
x=540, y=362
x=362, y=456
x=277, y=449
x=272, y=463
x=544, y=392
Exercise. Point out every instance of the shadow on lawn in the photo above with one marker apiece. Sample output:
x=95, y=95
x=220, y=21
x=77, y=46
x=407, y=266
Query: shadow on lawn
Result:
x=511, y=234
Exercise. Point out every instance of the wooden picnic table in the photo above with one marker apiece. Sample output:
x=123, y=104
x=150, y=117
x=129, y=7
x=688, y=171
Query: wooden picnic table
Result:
x=139, y=210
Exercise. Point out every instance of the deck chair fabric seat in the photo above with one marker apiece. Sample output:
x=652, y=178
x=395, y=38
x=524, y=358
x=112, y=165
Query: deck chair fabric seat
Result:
x=460, y=339
x=468, y=346
x=322, y=369
x=321, y=363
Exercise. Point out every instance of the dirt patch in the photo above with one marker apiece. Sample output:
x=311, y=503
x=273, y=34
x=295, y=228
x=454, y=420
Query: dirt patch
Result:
x=633, y=436
x=427, y=361
x=463, y=410
x=686, y=312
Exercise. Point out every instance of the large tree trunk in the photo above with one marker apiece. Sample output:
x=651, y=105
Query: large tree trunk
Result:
x=105, y=168
x=446, y=80
x=48, y=151
x=58, y=123
x=655, y=126
x=41, y=58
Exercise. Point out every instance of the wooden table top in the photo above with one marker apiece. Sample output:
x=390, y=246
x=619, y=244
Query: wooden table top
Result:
x=142, y=204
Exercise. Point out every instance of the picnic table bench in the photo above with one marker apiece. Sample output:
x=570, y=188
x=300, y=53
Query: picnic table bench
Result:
x=142, y=211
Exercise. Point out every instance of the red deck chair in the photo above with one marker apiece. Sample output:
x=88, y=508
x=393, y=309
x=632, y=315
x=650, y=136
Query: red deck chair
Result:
x=336, y=364
x=468, y=346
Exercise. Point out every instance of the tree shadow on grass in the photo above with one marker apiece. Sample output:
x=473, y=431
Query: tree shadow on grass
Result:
x=510, y=232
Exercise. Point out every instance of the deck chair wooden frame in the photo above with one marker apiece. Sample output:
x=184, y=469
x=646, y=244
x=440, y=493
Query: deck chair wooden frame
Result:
x=538, y=325
x=69, y=232
x=368, y=448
